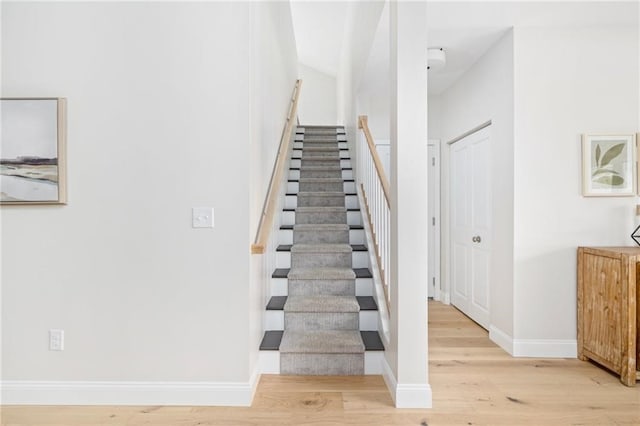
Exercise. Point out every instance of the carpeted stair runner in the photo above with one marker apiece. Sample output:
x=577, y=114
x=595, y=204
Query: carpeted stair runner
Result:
x=321, y=323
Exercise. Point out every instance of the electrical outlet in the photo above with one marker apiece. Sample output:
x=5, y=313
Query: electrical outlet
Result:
x=56, y=340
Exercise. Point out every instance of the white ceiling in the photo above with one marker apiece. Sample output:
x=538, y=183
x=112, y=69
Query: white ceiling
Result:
x=466, y=30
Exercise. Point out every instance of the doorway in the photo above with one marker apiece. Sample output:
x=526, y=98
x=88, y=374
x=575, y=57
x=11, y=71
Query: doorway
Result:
x=471, y=224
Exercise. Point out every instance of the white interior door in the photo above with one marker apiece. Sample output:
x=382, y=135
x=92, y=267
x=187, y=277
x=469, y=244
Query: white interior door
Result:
x=434, y=219
x=471, y=225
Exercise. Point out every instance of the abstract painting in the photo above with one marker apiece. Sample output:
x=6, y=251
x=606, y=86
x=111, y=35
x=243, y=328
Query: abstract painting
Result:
x=608, y=165
x=32, y=151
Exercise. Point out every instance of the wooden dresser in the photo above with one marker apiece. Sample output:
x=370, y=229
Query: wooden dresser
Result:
x=608, y=309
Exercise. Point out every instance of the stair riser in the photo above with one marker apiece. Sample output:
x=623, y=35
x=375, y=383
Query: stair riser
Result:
x=289, y=218
x=284, y=287
x=296, y=163
x=299, y=144
x=320, y=217
x=306, y=321
x=322, y=364
x=297, y=174
x=373, y=361
x=311, y=201
x=321, y=260
x=334, y=174
x=356, y=236
x=320, y=155
x=348, y=201
x=321, y=237
x=305, y=186
x=321, y=287
x=347, y=187
x=356, y=259
x=367, y=320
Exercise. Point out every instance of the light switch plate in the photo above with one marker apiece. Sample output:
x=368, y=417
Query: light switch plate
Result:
x=202, y=217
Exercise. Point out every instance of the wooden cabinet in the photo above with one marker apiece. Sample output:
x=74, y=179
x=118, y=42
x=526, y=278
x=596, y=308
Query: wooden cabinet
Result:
x=608, y=317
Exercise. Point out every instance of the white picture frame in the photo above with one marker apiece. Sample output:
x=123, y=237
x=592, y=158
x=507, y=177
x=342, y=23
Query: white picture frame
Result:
x=609, y=165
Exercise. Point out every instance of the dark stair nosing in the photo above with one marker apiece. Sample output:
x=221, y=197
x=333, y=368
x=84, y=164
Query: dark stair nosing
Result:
x=290, y=227
x=293, y=210
x=367, y=303
x=284, y=273
x=354, y=247
x=281, y=273
x=271, y=340
x=298, y=168
x=276, y=303
x=363, y=273
x=372, y=341
x=346, y=194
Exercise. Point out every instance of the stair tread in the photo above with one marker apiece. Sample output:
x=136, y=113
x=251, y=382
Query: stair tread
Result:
x=322, y=304
x=319, y=194
x=322, y=341
x=372, y=341
x=288, y=247
x=276, y=303
x=291, y=227
x=321, y=248
x=320, y=180
x=321, y=209
x=321, y=274
x=271, y=340
x=297, y=272
x=363, y=273
x=321, y=227
x=366, y=303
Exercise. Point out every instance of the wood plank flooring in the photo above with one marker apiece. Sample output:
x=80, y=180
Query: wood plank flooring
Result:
x=474, y=383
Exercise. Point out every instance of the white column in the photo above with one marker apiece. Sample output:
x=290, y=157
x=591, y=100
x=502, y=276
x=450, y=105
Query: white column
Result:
x=407, y=355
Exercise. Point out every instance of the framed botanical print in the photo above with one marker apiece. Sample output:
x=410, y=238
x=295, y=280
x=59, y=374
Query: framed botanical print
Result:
x=608, y=165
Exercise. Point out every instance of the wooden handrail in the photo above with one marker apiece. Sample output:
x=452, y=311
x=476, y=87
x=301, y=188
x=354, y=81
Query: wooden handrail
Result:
x=270, y=202
x=363, y=123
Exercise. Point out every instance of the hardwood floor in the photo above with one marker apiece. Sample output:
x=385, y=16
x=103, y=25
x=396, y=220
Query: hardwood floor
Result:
x=474, y=383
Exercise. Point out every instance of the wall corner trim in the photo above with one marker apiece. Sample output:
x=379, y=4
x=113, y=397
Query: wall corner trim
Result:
x=407, y=395
x=501, y=339
x=19, y=392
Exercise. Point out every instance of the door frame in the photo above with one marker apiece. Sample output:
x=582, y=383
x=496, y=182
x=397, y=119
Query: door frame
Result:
x=447, y=211
x=436, y=219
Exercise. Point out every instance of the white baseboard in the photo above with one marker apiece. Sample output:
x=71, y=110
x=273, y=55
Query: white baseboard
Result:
x=406, y=395
x=534, y=348
x=501, y=339
x=129, y=393
x=545, y=348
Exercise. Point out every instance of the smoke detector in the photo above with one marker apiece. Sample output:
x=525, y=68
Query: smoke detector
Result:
x=436, y=58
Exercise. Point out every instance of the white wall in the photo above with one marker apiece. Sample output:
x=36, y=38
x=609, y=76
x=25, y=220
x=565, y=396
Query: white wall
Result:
x=317, y=98
x=484, y=93
x=274, y=68
x=567, y=82
x=360, y=29
x=157, y=124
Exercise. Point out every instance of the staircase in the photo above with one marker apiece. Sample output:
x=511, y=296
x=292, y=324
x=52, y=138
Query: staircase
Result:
x=321, y=317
